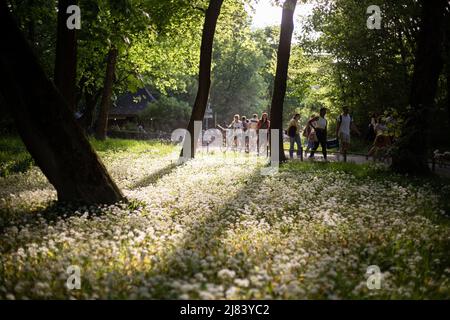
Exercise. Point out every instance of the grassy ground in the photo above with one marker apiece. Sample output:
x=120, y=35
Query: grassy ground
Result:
x=216, y=228
x=14, y=157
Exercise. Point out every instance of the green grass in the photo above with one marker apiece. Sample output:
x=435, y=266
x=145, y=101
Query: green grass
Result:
x=133, y=146
x=14, y=157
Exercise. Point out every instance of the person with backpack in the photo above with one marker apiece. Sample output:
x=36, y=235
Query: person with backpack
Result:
x=294, y=137
x=343, y=131
x=320, y=126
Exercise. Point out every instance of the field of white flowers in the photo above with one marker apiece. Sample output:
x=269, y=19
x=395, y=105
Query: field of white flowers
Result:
x=215, y=228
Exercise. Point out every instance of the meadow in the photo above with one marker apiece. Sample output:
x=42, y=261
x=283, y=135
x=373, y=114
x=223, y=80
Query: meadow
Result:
x=215, y=228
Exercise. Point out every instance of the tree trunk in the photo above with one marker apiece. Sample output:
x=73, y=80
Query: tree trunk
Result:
x=31, y=28
x=204, y=78
x=284, y=53
x=105, y=103
x=448, y=91
x=46, y=124
x=411, y=154
x=87, y=119
x=447, y=62
x=66, y=55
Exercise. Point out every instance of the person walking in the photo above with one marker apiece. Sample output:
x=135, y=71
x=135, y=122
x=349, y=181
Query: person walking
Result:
x=343, y=131
x=320, y=127
x=264, y=124
x=382, y=140
x=237, y=127
x=245, y=127
x=254, y=122
x=310, y=135
x=294, y=137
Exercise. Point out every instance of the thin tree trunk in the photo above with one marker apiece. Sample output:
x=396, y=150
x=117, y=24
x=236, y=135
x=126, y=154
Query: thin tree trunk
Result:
x=283, y=56
x=87, y=119
x=105, y=103
x=447, y=62
x=66, y=55
x=448, y=91
x=31, y=28
x=204, y=78
x=46, y=125
x=412, y=151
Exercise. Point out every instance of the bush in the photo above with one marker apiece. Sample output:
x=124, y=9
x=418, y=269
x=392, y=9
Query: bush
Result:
x=166, y=114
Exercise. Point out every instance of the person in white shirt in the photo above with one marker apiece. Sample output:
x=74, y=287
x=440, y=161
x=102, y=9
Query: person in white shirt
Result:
x=320, y=127
x=237, y=127
x=344, y=126
x=236, y=124
x=254, y=122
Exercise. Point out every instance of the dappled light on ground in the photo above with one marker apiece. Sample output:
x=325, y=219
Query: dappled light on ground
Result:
x=216, y=228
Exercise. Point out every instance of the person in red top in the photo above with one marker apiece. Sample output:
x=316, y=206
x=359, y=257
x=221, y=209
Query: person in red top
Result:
x=263, y=124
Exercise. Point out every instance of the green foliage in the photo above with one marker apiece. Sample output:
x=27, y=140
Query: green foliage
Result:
x=165, y=114
x=368, y=70
x=37, y=19
x=240, y=75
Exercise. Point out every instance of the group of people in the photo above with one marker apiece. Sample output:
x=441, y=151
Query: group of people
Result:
x=253, y=123
x=315, y=134
x=379, y=133
x=245, y=124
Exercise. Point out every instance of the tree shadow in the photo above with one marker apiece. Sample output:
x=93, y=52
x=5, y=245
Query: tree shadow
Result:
x=155, y=176
x=203, y=238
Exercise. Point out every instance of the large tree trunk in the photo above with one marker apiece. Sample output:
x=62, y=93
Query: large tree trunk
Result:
x=46, y=125
x=411, y=154
x=66, y=55
x=204, y=78
x=284, y=53
x=105, y=103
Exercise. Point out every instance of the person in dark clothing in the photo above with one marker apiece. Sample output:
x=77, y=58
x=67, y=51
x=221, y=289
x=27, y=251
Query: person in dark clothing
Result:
x=320, y=127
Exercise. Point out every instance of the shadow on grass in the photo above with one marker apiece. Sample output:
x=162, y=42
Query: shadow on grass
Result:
x=204, y=238
x=155, y=176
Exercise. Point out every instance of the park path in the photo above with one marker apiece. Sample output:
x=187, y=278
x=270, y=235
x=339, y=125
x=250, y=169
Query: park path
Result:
x=334, y=157
x=361, y=159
